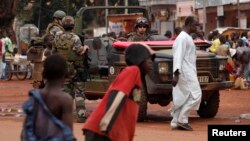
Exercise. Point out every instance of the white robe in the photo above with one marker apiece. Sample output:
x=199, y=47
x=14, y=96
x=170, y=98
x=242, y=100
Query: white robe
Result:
x=188, y=87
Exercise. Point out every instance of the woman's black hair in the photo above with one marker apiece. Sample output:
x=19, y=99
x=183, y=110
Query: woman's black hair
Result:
x=135, y=54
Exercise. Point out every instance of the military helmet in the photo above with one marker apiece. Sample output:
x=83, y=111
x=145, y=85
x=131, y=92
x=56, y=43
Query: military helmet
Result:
x=59, y=14
x=68, y=21
x=141, y=21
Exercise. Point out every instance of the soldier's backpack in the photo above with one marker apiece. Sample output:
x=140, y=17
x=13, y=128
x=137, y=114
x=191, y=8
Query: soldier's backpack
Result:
x=63, y=47
x=30, y=107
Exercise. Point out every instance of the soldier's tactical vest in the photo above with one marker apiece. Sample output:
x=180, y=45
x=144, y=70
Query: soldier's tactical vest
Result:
x=136, y=37
x=64, y=45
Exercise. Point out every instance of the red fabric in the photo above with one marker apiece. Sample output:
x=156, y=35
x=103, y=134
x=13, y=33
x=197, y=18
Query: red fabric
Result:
x=174, y=37
x=124, y=45
x=229, y=68
x=124, y=126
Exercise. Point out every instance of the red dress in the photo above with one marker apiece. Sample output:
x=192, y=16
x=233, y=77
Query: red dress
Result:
x=123, y=128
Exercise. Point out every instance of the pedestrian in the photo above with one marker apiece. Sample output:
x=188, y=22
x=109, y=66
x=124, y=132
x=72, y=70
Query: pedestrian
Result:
x=244, y=38
x=224, y=50
x=7, y=50
x=177, y=31
x=69, y=45
x=49, y=110
x=1, y=56
x=40, y=51
x=56, y=25
x=49, y=43
x=115, y=117
x=3, y=66
x=248, y=38
x=122, y=36
x=141, y=30
x=186, y=87
x=168, y=34
x=243, y=57
x=215, y=42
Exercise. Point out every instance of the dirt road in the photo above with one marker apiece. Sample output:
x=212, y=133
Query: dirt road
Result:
x=233, y=104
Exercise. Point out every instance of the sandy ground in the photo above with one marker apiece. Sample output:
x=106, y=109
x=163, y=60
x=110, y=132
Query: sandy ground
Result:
x=233, y=104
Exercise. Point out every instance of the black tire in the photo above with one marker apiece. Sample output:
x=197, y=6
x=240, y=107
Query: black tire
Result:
x=21, y=73
x=8, y=72
x=209, y=108
x=142, y=114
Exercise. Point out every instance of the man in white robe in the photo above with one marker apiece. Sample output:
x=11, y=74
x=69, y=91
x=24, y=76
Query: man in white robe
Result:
x=186, y=87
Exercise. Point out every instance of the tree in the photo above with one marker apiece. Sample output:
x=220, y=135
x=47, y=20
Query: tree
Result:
x=8, y=10
x=43, y=10
x=41, y=13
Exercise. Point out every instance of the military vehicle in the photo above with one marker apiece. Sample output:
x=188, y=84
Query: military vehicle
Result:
x=107, y=60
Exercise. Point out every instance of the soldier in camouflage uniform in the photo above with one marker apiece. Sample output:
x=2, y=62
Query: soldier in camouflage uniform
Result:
x=141, y=29
x=45, y=44
x=56, y=25
x=69, y=45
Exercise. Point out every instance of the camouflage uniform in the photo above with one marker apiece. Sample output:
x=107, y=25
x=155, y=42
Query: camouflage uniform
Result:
x=136, y=37
x=39, y=53
x=69, y=45
x=54, y=28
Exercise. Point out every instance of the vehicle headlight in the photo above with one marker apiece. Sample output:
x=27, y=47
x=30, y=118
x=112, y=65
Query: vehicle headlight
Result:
x=163, y=68
x=112, y=70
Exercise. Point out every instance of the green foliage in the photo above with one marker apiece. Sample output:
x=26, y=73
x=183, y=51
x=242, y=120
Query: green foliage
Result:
x=21, y=4
x=45, y=10
x=133, y=2
x=22, y=14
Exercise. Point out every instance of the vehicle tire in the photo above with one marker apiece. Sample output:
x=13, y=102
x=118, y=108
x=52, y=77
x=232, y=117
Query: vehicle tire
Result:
x=30, y=71
x=8, y=72
x=209, y=108
x=21, y=73
x=142, y=114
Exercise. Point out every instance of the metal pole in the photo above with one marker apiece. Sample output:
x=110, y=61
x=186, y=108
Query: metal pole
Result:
x=106, y=14
x=204, y=17
x=39, y=15
x=67, y=6
x=126, y=4
x=238, y=11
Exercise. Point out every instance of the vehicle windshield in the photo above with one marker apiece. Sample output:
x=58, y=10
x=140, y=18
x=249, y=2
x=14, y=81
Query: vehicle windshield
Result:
x=92, y=21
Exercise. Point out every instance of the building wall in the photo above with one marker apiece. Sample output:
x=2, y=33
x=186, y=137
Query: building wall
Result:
x=230, y=16
x=157, y=2
x=160, y=23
